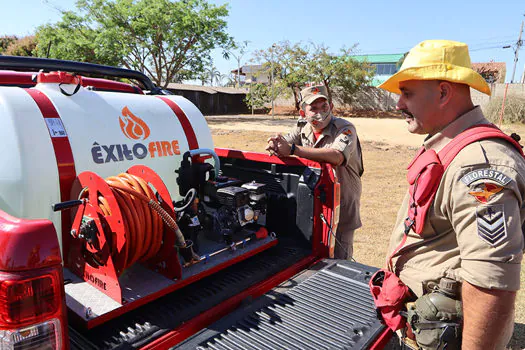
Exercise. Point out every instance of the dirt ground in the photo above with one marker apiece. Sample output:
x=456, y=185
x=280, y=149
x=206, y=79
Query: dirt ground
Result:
x=387, y=150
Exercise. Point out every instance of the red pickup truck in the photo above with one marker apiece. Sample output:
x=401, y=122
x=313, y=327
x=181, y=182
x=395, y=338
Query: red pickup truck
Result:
x=121, y=226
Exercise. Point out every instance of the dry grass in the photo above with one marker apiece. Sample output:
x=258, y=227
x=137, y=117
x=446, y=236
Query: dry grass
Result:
x=384, y=185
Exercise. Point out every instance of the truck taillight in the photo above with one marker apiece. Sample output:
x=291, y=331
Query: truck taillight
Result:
x=28, y=299
x=31, y=309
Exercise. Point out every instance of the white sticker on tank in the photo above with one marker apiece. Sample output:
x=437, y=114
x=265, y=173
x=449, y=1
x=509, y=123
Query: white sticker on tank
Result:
x=56, y=128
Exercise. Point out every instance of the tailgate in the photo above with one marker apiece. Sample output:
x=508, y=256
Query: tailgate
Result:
x=328, y=306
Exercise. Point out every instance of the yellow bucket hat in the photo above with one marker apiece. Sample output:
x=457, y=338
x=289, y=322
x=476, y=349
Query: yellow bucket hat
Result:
x=437, y=60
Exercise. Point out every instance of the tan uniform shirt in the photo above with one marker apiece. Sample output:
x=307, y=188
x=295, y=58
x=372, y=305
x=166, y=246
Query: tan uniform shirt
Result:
x=341, y=135
x=473, y=230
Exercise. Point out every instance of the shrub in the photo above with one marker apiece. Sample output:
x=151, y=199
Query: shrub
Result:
x=514, y=110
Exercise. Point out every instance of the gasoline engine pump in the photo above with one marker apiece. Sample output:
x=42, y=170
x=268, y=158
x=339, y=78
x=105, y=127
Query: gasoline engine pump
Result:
x=130, y=218
x=218, y=209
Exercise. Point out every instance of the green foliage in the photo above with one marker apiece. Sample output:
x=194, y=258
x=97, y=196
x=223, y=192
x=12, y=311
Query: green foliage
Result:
x=258, y=96
x=288, y=63
x=349, y=75
x=5, y=41
x=297, y=64
x=12, y=45
x=22, y=47
x=169, y=41
x=514, y=110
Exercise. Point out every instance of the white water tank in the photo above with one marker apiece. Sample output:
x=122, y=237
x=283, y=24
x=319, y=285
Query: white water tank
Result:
x=107, y=132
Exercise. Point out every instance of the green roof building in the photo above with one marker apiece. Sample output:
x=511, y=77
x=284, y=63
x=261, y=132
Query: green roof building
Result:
x=385, y=65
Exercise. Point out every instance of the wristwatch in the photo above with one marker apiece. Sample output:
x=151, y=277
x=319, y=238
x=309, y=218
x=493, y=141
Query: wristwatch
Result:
x=292, y=149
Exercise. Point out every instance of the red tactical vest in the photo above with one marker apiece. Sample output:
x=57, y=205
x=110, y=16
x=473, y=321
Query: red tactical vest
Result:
x=424, y=176
x=427, y=169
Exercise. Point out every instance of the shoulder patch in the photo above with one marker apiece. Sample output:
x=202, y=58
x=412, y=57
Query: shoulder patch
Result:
x=344, y=139
x=486, y=174
x=485, y=191
x=491, y=224
x=347, y=132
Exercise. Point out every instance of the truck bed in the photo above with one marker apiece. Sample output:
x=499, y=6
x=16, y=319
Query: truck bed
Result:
x=326, y=307
x=151, y=321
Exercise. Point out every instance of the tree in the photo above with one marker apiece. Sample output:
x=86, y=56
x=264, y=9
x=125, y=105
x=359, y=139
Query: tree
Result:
x=338, y=71
x=258, y=96
x=5, y=41
x=214, y=75
x=22, y=47
x=287, y=62
x=297, y=64
x=169, y=41
x=237, y=51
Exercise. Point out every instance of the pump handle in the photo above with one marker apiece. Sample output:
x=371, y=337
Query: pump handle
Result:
x=66, y=205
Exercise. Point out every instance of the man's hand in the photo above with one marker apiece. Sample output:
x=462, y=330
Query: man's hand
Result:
x=278, y=146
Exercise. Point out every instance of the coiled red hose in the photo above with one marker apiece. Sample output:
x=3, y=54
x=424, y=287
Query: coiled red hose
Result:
x=142, y=218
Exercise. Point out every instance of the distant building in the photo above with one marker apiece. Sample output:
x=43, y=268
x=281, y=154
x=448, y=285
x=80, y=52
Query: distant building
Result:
x=493, y=72
x=253, y=73
x=385, y=65
x=213, y=100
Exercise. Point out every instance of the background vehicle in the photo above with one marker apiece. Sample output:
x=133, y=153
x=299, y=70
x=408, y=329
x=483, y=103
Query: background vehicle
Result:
x=191, y=246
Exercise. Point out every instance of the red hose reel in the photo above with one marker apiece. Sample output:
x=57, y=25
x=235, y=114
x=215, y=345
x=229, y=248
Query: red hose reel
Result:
x=120, y=222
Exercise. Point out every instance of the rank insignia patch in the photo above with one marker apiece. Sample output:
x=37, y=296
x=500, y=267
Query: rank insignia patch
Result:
x=491, y=224
x=485, y=191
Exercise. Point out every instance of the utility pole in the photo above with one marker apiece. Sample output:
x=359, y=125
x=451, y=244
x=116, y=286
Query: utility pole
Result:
x=271, y=78
x=519, y=43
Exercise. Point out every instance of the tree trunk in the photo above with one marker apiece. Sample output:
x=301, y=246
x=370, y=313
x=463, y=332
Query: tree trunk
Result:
x=296, y=99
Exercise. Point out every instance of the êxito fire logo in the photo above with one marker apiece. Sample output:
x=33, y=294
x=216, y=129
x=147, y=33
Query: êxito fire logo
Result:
x=134, y=128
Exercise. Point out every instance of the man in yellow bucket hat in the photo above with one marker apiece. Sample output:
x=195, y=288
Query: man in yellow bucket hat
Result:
x=460, y=232
x=322, y=137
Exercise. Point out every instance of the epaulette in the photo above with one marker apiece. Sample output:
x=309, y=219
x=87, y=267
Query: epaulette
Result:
x=340, y=122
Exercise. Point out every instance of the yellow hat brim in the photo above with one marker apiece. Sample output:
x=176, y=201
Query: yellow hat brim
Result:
x=455, y=74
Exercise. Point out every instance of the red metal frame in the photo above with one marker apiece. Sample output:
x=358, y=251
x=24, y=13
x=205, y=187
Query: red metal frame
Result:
x=265, y=158
x=180, y=284
x=26, y=79
x=323, y=240
x=104, y=274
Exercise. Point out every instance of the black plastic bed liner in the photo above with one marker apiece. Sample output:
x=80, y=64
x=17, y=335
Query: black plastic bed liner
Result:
x=327, y=307
x=141, y=326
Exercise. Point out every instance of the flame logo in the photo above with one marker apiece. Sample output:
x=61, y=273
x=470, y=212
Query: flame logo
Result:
x=132, y=126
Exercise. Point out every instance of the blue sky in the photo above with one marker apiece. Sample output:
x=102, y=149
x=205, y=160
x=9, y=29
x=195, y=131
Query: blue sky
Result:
x=377, y=26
